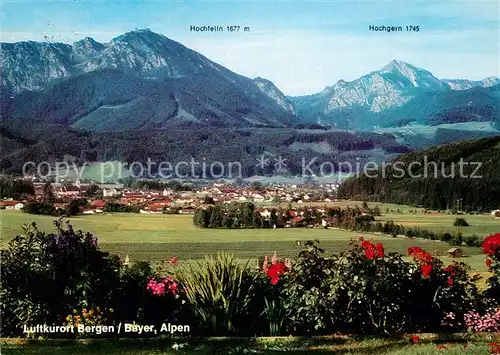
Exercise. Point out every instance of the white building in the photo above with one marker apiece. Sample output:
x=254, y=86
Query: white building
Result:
x=110, y=192
x=266, y=213
x=258, y=198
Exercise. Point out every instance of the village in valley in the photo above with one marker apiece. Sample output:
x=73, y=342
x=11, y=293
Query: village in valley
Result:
x=181, y=199
x=186, y=198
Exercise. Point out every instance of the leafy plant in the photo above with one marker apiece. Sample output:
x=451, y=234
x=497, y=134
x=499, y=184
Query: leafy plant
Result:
x=219, y=291
x=272, y=286
x=45, y=276
x=307, y=286
x=276, y=315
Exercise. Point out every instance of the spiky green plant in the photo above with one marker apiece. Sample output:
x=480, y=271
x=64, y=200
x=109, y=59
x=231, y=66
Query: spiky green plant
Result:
x=219, y=290
x=275, y=314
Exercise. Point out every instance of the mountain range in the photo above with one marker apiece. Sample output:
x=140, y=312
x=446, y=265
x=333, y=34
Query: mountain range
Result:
x=362, y=103
x=139, y=80
x=144, y=81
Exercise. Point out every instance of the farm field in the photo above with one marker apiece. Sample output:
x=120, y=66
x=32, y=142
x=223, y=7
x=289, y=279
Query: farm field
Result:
x=481, y=225
x=159, y=236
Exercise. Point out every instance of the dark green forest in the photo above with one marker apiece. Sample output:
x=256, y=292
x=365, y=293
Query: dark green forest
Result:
x=52, y=143
x=469, y=190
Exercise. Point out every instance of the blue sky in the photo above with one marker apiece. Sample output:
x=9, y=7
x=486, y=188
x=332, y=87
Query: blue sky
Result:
x=302, y=46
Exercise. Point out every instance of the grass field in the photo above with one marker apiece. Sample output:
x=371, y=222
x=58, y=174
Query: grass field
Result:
x=430, y=345
x=481, y=225
x=157, y=237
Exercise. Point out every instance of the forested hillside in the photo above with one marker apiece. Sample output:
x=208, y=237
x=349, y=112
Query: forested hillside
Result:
x=477, y=186
x=222, y=145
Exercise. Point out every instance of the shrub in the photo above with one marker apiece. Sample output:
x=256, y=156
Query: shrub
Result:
x=445, y=237
x=63, y=278
x=120, y=207
x=305, y=293
x=460, y=222
x=367, y=291
x=46, y=276
x=457, y=239
x=439, y=290
x=76, y=206
x=473, y=241
x=40, y=208
x=87, y=317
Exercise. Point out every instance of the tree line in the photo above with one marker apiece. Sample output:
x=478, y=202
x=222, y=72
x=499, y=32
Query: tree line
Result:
x=244, y=215
x=16, y=189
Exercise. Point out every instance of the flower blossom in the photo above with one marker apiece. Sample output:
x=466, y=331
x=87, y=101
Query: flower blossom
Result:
x=423, y=258
x=489, y=322
x=275, y=271
x=491, y=245
x=372, y=250
x=160, y=288
x=265, y=265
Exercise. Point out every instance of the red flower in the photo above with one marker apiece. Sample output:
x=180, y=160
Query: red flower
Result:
x=426, y=270
x=415, y=338
x=420, y=255
x=173, y=287
x=173, y=260
x=450, y=281
x=450, y=269
x=412, y=250
x=370, y=253
x=366, y=244
x=372, y=250
x=380, y=250
x=491, y=244
x=488, y=262
x=274, y=280
x=275, y=271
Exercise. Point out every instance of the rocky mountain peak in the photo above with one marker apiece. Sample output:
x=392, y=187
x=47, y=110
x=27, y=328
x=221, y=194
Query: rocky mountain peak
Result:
x=397, y=65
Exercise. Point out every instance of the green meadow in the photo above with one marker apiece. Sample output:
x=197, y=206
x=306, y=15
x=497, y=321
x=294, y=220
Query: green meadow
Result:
x=157, y=237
